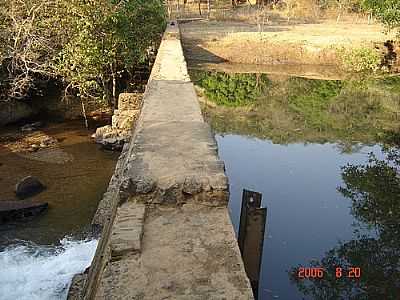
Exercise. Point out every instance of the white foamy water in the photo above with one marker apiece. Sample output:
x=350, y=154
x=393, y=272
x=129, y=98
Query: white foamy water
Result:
x=30, y=272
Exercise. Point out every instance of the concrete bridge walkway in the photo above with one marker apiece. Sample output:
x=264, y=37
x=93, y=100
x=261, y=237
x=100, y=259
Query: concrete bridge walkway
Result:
x=165, y=228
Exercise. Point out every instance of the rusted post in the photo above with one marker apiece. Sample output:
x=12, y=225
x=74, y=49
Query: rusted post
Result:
x=251, y=236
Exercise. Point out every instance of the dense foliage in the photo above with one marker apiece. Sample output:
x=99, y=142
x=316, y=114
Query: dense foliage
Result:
x=387, y=11
x=88, y=44
x=233, y=89
x=361, y=59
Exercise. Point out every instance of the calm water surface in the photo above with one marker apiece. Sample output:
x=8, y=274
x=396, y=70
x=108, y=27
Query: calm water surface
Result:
x=325, y=156
x=306, y=215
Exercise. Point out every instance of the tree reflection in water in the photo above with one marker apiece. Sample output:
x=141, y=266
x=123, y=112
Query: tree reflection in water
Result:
x=374, y=192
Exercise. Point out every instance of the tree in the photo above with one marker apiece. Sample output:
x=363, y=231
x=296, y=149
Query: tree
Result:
x=87, y=44
x=28, y=41
x=387, y=11
x=111, y=37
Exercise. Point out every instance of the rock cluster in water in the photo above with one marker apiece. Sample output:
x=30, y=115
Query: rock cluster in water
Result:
x=28, y=186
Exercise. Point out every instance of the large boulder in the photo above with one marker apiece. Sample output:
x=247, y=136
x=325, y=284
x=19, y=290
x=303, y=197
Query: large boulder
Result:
x=28, y=187
x=13, y=111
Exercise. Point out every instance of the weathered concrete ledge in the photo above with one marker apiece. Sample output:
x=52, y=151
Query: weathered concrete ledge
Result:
x=165, y=228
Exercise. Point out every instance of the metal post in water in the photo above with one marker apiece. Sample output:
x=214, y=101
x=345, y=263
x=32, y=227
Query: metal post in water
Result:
x=251, y=236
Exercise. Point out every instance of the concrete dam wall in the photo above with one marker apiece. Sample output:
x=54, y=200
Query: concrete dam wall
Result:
x=164, y=224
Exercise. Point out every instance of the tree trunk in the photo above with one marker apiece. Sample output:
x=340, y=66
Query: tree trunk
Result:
x=199, y=7
x=114, y=86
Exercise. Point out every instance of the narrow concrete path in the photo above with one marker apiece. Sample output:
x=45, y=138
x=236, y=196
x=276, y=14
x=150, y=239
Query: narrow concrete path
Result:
x=169, y=236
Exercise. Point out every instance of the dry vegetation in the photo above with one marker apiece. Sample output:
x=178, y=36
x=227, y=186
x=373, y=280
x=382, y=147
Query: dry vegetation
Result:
x=290, y=32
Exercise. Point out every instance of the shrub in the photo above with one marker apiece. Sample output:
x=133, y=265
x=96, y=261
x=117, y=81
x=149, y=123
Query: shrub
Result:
x=387, y=11
x=233, y=89
x=361, y=59
x=113, y=36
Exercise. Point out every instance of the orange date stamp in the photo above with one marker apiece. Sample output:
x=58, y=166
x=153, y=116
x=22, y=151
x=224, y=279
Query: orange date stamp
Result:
x=318, y=273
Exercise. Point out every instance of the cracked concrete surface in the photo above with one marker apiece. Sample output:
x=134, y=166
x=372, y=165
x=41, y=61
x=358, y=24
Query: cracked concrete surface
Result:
x=187, y=253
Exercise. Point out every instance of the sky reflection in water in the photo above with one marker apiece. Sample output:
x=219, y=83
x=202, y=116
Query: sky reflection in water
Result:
x=307, y=215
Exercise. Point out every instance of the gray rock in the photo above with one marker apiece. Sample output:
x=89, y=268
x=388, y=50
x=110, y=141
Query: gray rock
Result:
x=191, y=186
x=28, y=187
x=35, y=147
x=31, y=127
x=114, y=143
x=144, y=185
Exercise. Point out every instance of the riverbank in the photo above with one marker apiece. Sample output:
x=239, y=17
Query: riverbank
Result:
x=289, y=109
x=214, y=43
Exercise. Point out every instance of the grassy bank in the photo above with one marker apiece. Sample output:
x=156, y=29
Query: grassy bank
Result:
x=290, y=109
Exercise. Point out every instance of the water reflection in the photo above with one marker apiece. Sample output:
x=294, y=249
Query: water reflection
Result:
x=374, y=192
x=320, y=154
x=289, y=109
x=306, y=214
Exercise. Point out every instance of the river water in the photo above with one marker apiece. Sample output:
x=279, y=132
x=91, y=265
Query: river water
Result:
x=331, y=188
x=39, y=256
x=306, y=215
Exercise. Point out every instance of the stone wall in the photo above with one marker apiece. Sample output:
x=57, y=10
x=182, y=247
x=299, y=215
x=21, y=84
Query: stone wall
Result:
x=114, y=136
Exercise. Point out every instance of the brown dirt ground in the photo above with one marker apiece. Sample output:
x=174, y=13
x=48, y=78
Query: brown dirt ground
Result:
x=277, y=41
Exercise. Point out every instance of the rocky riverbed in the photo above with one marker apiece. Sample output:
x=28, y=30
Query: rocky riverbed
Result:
x=66, y=161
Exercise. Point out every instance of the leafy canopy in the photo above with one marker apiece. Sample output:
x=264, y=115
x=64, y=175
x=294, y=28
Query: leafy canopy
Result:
x=88, y=44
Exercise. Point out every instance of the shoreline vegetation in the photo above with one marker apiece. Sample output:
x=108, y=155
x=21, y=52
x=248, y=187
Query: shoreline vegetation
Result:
x=293, y=109
x=359, y=107
x=88, y=51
